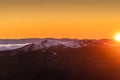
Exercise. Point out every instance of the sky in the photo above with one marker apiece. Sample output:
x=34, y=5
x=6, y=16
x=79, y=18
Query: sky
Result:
x=81, y=19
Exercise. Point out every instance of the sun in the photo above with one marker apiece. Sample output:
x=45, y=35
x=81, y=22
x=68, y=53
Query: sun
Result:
x=117, y=37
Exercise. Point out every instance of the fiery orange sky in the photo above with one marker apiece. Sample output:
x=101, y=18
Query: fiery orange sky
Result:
x=59, y=18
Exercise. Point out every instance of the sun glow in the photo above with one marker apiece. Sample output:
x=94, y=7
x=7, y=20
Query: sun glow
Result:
x=117, y=37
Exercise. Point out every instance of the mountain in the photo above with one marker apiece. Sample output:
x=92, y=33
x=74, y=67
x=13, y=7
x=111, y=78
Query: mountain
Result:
x=8, y=44
x=60, y=59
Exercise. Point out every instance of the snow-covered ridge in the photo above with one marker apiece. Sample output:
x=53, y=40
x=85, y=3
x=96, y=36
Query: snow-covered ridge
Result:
x=41, y=44
x=11, y=46
x=47, y=43
x=50, y=43
x=72, y=44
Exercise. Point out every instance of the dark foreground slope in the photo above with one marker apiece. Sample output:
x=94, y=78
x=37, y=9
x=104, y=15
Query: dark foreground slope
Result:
x=61, y=63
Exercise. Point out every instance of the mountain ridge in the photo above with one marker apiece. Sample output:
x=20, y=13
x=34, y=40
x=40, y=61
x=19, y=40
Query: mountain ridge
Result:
x=62, y=60
x=49, y=42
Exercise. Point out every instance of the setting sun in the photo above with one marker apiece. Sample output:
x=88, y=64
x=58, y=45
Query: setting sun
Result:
x=117, y=37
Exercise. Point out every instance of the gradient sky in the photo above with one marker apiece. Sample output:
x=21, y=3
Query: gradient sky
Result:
x=59, y=18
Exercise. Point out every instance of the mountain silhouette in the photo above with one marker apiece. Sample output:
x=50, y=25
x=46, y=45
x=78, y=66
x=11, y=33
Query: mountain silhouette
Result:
x=60, y=59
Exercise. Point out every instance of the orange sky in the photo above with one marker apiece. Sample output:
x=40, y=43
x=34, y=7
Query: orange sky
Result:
x=64, y=19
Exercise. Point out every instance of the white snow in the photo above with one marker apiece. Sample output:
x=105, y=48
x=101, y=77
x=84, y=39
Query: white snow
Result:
x=47, y=43
x=11, y=46
x=71, y=44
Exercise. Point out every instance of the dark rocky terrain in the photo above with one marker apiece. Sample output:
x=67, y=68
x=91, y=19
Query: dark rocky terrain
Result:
x=62, y=60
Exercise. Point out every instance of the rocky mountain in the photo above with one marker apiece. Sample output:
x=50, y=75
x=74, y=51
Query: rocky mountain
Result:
x=60, y=59
x=10, y=44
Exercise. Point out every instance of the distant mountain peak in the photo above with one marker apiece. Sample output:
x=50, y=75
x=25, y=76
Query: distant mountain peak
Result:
x=35, y=44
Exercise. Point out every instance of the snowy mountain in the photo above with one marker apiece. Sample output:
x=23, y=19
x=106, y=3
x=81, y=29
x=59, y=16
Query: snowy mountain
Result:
x=60, y=59
x=46, y=43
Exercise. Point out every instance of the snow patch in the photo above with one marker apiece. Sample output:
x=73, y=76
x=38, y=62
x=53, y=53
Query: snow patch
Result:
x=11, y=46
x=72, y=44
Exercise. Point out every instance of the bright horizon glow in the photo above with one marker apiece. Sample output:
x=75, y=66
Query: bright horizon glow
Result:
x=117, y=37
x=81, y=19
